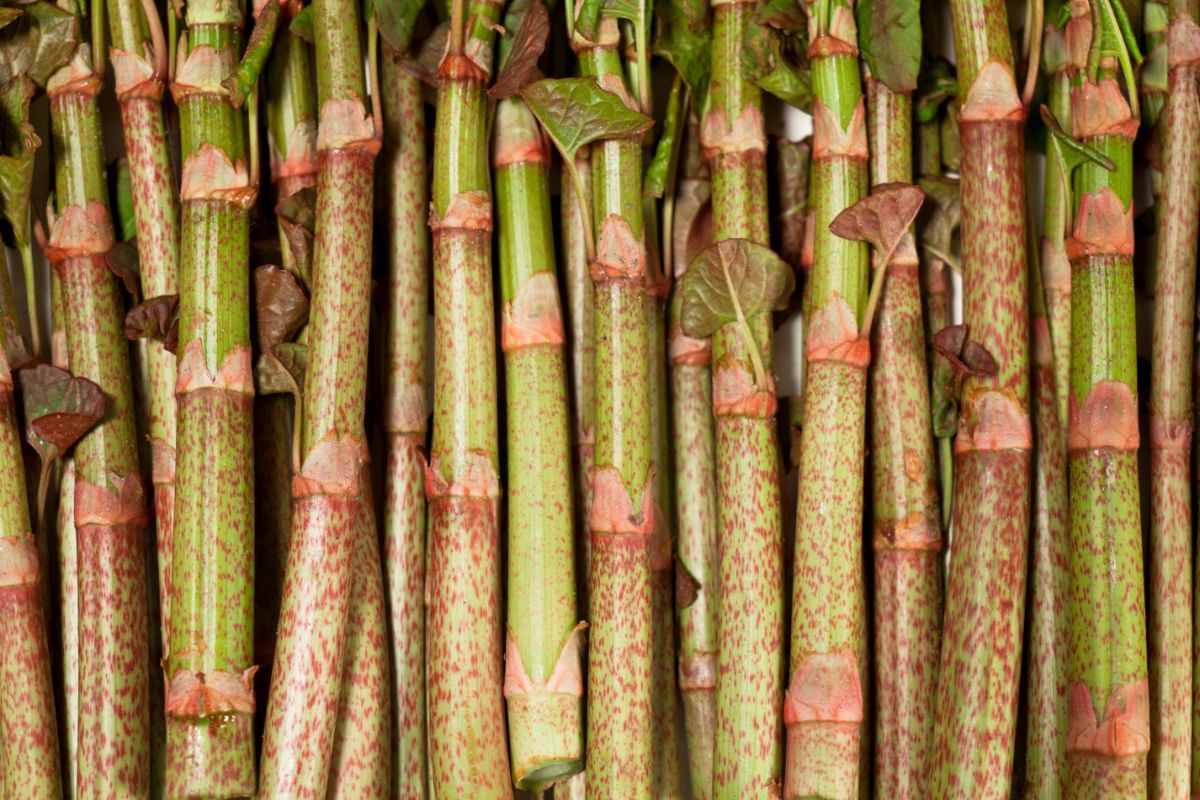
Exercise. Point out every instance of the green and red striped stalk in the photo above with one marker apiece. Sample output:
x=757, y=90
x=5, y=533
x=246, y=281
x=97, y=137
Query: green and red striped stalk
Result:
x=1170, y=643
x=694, y=454
x=581, y=316
x=405, y=197
x=907, y=531
x=110, y=504
x=210, y=654
x=543, y=683
x=333, y=581
x=469, y=755
x=823, y=708
x=978, y=676
x=748, y=756
x=1108, y=731
x=139, y=58
x=29, y=757
x=622, y=520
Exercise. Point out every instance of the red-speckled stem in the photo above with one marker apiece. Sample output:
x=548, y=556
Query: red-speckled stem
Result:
x=974, y=727
x=907, y=536
x=405, y=200
x=1170, y=588
x=156, y=208
x=469, y=753
x=29, y=765
x=110, y=506
x=329, y=492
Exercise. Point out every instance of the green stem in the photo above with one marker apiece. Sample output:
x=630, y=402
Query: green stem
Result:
x=1170, y=645
x=974, y=728
x=110, y=511
x=907, y=535
x=469, y=755
x=321, y=669
x=406, y=205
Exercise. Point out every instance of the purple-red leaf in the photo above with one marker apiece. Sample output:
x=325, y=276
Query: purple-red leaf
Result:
x=882, y=217
x=59, y=409
x=966, y=356
x=123, y=261
x=156, y=318
x=520, y=67
x=281, y=306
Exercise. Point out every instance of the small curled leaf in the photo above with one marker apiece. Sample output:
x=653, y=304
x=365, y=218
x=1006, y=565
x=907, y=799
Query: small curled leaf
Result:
x=156, y=318
x=281, y=371
x=302, y=25
x=519, y=62
x=576, y=112
x=1073, y=151
x=777, y=62
x=785, y=15
x=684, y=43
x=298, y=218
x=280, y=304
x=666, y=152
x=59, y=409
x=732, y=280
x=965, y=355
x=881, y=218
x=122, y=259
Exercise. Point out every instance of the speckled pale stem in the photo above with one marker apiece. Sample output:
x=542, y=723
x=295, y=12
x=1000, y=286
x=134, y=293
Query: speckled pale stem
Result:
x=542, y=689
x=156, y=208
x=29, y=758
x=1045, y=663
x=581, y=316
x=469, y=753
x=68, y=630
x=748, y=752
x=1170, y=589
x=907, y=537
x=110, y=505
x=405, y=197
x=1108, y=731
x=1055, y=265
x=824, y=706
x=620, y=692
x=327, y=566
x=697, y=557
x=978, y=677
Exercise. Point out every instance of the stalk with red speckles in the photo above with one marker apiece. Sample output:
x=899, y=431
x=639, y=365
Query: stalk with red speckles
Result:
x=110, y=503
x=696, y=579
x=1170, y=643
x=823, y=708
x=907, y=531
x=405, y=197
x=29, y=759
x=974, y=728
x=1108, y=728
x=139, y=62
x=469, y=755
x=327, y=713
x=622, y=519
x=543, y=650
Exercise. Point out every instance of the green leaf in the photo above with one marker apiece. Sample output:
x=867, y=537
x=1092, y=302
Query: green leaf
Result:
x=397, y=19
x=889, y=37
x=688, y=48
x=520, y=53
x=776, y=62
x=8, y=15
x=281, y=371
x=245, y=76
x=38, y=43
x=121, y=192
x=156, y=318
x=576, y=112
x=936, y=86
x=59, y=409
x=1072, y=151
x=881, y=218
x=785, y=15
x=667, y=149
x=302, y=25
x=731, y=280
x=951, y=151
x=587, y=15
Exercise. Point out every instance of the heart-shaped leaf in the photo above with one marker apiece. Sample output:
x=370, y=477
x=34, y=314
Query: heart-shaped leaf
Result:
x=777, y=63
x=156, y=318
x=397, y=19
x=889, y=37
x=281, y=371
x=38, y=43
x=281, y=306
x=784, y=15
x=881, y=218
x=666, y=152
x=59, y=409
x=966, y=356
x=519, y=56
x=730, y=280
x=576, y=112
x=686, y=45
